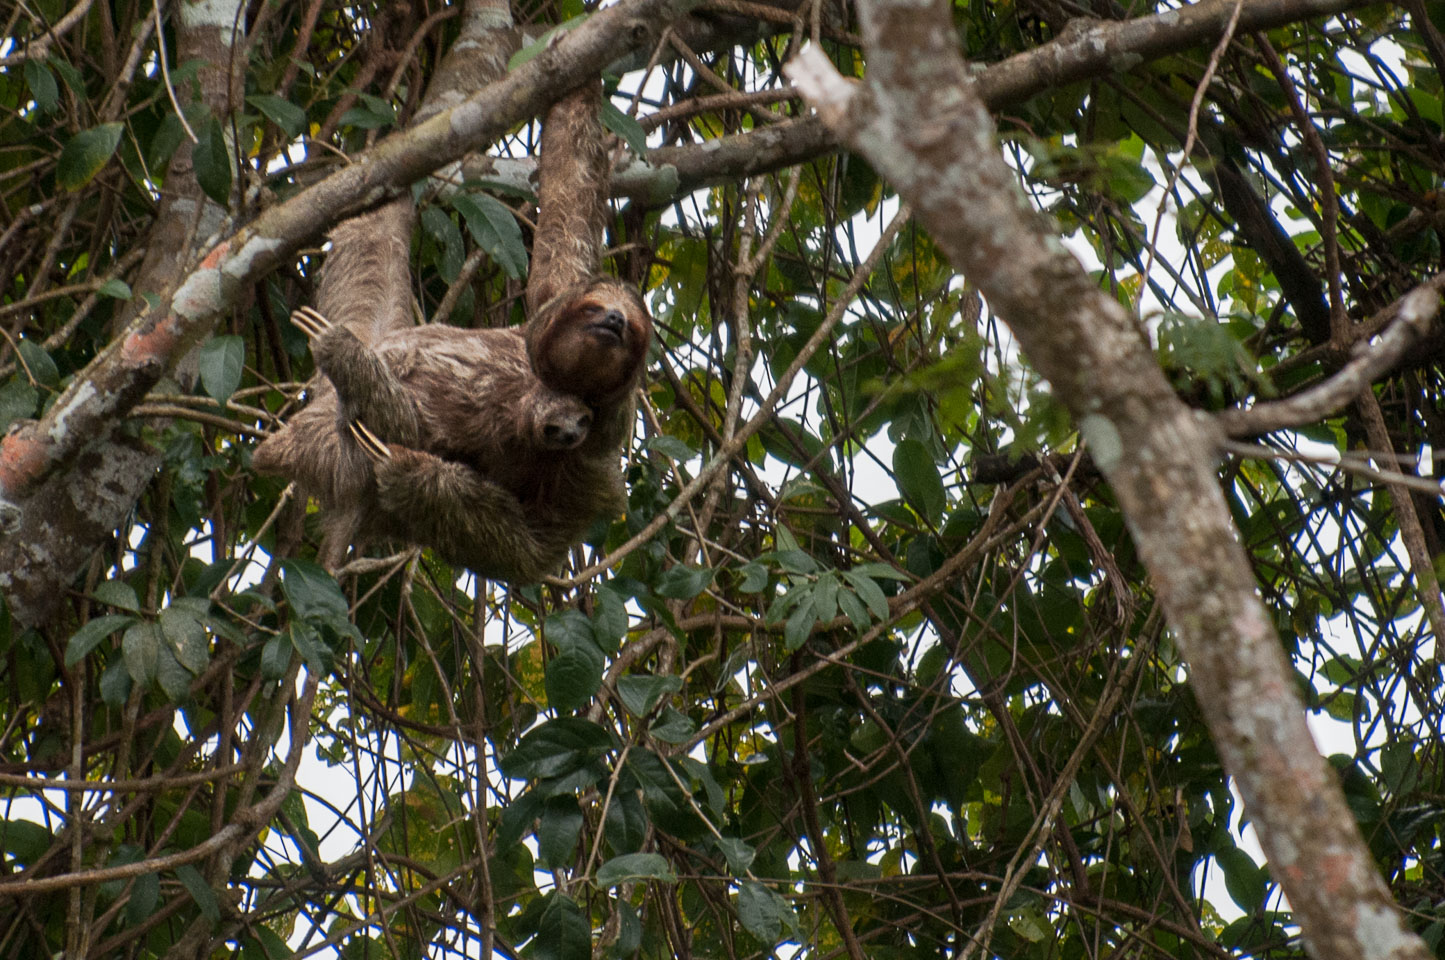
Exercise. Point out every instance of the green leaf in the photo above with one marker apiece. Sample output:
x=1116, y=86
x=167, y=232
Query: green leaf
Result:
x=495, y=230
x=640, y=693
x=626, y=822
x=557, y=747
x=634, y=866
x=918, y=479
x=574, y=676
x=557, y=832
x=314, y=594
x=799, y=626
x=89, y=636
x=625, y=127
x=17, y=401
x=683, y=582
x=115, y=683
x=283, y=113
x=116, y=289
x=629, y=932
x=670, y=446
x=276, y=656
x=763, y=913
x=38, y=363
x=609, y=619
x=42, y=85
x=187, y=635
x=173, y=678
x=86, y=154
x=200, y=892
x=853, y=609
x=869, y=592
x=564, y=932
x=755, y=577
x=144, y=895
x=1243, y=878
x=825, y=595
x=212, y=161
x=221, y=361
x=673, y=727
x=307, y=642
x=738, y=853
x=141, y=647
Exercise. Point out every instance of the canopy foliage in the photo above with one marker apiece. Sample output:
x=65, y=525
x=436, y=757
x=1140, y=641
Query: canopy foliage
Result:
x=890, y=678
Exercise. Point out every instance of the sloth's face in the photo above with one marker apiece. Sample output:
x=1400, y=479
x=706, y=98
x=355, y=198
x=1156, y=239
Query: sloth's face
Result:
x=593, y=345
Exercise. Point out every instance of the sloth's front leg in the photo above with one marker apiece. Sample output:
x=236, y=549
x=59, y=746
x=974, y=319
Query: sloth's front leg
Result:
x=365, y=386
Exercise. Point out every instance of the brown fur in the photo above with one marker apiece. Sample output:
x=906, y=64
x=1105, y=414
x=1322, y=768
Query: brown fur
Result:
x=470, y=469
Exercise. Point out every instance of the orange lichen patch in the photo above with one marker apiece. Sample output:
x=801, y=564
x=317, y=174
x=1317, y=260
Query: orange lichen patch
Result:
x=23, y=455
x=151, y=342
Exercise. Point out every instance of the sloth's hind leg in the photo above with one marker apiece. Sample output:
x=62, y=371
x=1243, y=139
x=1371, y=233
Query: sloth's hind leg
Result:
x=466, y=518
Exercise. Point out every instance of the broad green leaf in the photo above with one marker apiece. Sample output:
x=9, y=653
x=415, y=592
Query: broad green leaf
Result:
x=38, y=363
x=763, y=913
x=212, y=159
x=495, y=230
x=42, y=85
x=574, y=676
x=670, y=446
x=869, y=592
x=825, y=595
x=115, y=683
x=557, y=832
x=755, y=577
x=283, y=113
x=738, y=853
x=918, y=479
x=640, y=692
x=89, y=636
x=625, y=127
x=799, y=626
x=626, y=822
x=314, y=594
x=308, y=643
x=200, y=891
x=609, y=619
x=171, y=676
x=222, y=359
x=556, y=747
x=141, y=647
x=673, y=727
x=276, y=656
x=564, y=932
x=116, y=289
x=1243, y=878
x=634, y=866
x=85, y=154
x=683, y=582
x=187, y=635
x=144, y=895
x=17, y=401
x=629, y=932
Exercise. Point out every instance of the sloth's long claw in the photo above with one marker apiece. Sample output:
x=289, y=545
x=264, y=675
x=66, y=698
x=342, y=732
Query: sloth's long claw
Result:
x=370, y=444
x=311, y=323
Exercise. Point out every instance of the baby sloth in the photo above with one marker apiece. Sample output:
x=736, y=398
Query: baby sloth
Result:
x=447, y=438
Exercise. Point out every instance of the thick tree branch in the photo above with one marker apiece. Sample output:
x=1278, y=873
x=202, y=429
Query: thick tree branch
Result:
x=1413, y=314
x=923, y=126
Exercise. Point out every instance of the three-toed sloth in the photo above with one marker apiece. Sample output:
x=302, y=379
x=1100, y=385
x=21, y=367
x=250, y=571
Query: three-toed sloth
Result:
x=496, y=448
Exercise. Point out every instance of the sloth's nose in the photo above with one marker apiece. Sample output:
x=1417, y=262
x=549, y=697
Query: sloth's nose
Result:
x=614, y=321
